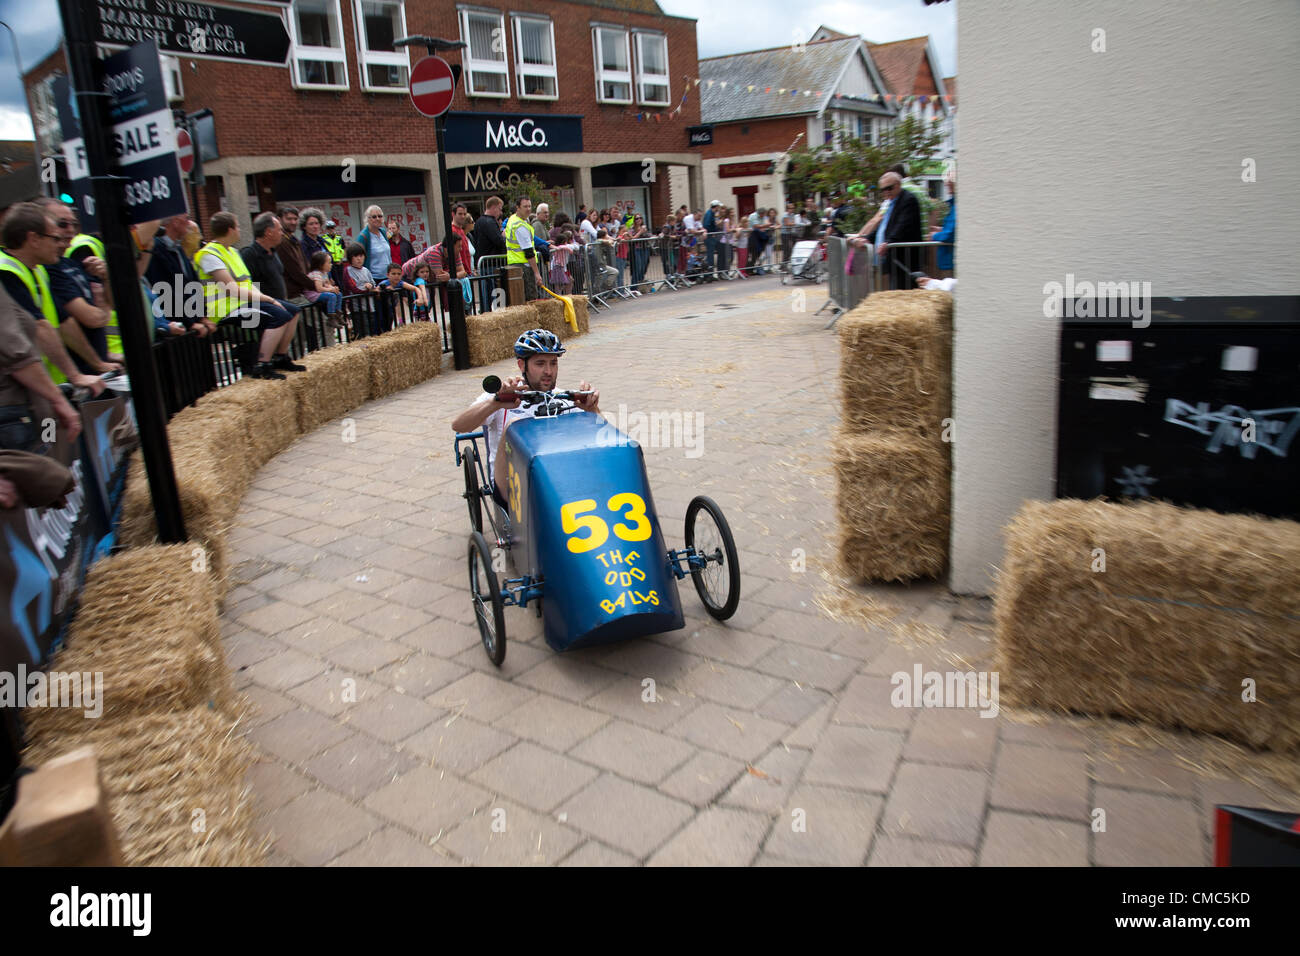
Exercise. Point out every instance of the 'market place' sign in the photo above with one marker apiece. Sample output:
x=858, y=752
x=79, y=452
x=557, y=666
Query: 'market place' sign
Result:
x=209, y=31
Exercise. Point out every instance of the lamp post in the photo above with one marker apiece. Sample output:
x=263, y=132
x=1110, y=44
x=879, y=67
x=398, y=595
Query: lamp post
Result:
x=455, y=303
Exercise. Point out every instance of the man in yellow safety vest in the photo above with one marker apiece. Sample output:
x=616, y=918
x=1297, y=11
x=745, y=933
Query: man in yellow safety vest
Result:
x=229, y=292
x=31, y=243
x=519, y=247
x=88, y=331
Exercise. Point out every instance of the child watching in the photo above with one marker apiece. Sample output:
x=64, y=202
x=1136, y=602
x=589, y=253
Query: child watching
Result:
x=560, y=280
x=357, y=280
x=398, y=303
x=326, y=292
x=423, y=279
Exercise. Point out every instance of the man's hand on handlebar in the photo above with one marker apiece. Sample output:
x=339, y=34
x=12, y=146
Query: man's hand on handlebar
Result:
x=588, y=402
x=512, y=386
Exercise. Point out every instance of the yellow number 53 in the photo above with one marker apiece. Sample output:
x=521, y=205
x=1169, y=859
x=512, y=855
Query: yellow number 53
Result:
x=573, y=518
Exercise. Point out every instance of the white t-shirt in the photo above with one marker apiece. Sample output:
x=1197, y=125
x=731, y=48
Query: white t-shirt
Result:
x=689, y=222
x=588, y=229
x=496, y=424
x=210, y=263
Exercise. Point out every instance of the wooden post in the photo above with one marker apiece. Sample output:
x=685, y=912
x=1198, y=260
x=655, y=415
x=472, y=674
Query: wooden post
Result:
x=61, y=817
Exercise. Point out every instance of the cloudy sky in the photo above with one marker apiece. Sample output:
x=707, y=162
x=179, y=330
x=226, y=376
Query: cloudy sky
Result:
x=724, y=26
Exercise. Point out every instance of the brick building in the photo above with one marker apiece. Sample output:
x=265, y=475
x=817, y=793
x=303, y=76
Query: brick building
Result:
x=585, y=94
x=911, y=69
x=762, y=103
x=765, y=102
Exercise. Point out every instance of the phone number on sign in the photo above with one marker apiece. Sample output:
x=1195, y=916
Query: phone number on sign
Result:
x=146, y=191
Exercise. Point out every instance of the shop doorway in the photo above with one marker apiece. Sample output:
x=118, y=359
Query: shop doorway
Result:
x=744, y=200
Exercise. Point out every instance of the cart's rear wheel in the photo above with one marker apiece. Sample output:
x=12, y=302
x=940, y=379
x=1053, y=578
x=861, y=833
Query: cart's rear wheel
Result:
x=473, y=492
x=489, y=609
x=718, y=582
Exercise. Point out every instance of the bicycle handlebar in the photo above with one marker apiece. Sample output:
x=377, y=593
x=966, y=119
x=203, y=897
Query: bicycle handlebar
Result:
x=492, y=385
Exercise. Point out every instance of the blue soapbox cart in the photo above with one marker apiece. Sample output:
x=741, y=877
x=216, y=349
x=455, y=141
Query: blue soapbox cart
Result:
x=579, y=522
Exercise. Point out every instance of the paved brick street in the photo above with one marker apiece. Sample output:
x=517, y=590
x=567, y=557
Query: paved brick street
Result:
x=773, y=740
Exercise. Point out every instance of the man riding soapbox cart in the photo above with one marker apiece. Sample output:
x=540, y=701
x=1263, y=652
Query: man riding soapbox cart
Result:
x=578, y=520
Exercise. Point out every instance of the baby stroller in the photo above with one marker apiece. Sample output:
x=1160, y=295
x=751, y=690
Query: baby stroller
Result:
x=695, y=270
x=601, y=276
x=807, y=261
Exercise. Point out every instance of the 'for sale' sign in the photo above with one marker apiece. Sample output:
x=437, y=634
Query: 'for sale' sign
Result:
x=144, y=139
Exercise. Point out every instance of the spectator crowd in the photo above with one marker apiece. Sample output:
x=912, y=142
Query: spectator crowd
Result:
x=58, y=322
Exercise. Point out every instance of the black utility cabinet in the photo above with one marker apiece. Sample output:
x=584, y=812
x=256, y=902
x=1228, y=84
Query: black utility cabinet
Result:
x=1164, y=411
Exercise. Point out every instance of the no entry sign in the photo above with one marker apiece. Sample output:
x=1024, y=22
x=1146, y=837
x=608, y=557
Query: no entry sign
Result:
x=184, y=151
x=432, y=86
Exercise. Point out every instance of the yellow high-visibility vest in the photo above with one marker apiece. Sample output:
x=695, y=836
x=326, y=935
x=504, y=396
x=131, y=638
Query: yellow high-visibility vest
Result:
x=514, y=252
x=38, y=285
x=93, y=243
x=218, y=300
x=96, y=247
x=335, y=246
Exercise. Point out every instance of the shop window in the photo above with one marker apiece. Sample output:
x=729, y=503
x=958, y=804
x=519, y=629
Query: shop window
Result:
x=317, y=57
x=613, y=65
x=485, y=56
x=384, y=68
x=535, y=74
x=652, y=69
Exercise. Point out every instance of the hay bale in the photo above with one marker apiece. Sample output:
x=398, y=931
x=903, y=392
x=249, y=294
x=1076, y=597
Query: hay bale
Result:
x=550, y=315
x=581, y=312
x=1190, y=604
x=213, y=464
x=893, y=501
x=207, y=514
x=270, y=415
x=161, y=582
x=896, y=362
x=407, y=356
x=492, y=334
x=337, y=380
x=213, y=440
x=148, y=622
x=158, y=769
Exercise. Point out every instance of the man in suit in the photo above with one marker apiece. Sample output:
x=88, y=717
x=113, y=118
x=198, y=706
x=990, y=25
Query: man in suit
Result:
x=901, y=222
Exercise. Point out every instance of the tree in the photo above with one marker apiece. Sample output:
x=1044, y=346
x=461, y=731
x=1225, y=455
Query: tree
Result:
x=825, y=170
x=532, y=187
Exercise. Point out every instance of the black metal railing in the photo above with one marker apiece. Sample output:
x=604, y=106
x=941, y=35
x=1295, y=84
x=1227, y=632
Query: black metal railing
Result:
x=191, y=365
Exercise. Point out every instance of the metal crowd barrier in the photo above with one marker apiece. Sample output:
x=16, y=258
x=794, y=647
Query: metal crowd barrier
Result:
x=487, y=280
x=855, y=273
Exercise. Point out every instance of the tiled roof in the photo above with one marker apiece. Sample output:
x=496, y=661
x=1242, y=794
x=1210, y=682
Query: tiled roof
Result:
x=814, y=66
x=899, y=62
x=950, y=84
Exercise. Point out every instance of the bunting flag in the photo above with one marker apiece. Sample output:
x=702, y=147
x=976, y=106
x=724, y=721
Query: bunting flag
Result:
x=691, y=82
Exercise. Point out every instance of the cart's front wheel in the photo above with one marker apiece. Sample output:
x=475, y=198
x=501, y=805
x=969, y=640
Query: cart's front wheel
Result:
x=718, y=582
x=473, y=494
x=489, y=609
